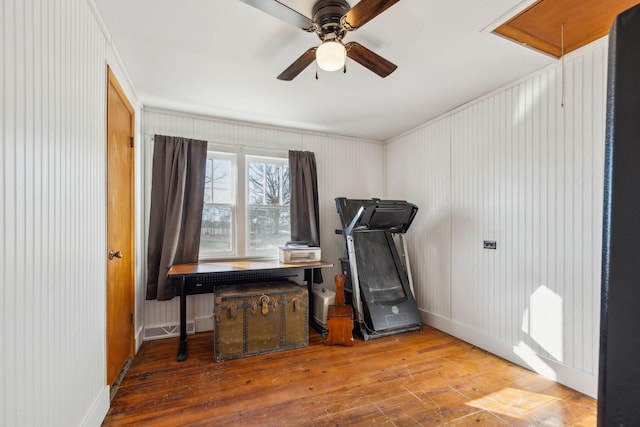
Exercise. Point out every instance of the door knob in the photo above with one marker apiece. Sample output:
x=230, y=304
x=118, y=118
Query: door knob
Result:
x=113, y=255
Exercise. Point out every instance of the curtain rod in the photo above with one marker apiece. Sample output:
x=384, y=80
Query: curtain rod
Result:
x=239, y=146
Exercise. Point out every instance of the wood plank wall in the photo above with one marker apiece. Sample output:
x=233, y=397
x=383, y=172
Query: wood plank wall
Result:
x=52, y=212
x=527, y=172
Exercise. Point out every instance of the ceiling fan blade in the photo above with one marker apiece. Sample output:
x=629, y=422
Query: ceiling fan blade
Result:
x=365, y=11
x=282, y=12
x=298, y=65
x=369, y=59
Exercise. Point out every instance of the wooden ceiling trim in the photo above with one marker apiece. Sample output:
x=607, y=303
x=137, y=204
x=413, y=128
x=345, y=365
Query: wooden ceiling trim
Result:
x=541, y=25
x=528, y=40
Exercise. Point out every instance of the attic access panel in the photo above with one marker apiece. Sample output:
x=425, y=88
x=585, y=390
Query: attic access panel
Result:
x=540, y=25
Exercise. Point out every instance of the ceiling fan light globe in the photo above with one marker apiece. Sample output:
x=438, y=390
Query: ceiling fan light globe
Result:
x=331, y=55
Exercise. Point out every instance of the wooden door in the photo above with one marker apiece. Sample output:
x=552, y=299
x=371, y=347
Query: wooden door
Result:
x=120, y=226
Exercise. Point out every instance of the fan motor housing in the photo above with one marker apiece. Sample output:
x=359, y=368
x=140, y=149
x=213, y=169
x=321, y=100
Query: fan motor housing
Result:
x=327, y=14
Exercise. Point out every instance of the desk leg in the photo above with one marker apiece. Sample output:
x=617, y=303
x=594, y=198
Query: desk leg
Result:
x=182, y=345
x=310, y=296
x=312, y=320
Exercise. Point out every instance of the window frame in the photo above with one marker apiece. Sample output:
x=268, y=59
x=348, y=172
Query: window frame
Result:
x=240, y=226
x=281, y=161
x=233, y=204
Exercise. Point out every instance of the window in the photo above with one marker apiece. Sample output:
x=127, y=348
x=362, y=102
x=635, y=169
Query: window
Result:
x=268, y=212
x=246, y=205
x=218, y=213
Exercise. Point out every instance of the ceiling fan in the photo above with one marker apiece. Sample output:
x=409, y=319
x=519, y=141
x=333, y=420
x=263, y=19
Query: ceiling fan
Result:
x=332, y=20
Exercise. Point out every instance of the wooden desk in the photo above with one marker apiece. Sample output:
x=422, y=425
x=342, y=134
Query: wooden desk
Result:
x=226, y=271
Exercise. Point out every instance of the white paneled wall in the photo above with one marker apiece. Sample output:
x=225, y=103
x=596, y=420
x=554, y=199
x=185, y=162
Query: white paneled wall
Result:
x=418, y=166
x=346, y=167
x=523, y=167
x=52, y=211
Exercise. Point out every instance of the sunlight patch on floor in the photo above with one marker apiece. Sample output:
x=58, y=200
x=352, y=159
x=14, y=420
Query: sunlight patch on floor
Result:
x=512, y=402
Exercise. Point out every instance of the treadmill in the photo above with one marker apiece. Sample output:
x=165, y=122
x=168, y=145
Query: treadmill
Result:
x=377, y=266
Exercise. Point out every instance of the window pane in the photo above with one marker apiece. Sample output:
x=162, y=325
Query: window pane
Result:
x=273, y=185
x=268, y=214
x=286, y=191
x=218, y=180
x=268, y=184
x=256, y=183
x=269, y=227
x=208, y=181
x=222, y=181
x=216, y=235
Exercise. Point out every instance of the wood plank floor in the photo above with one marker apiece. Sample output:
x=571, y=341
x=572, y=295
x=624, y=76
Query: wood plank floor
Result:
x=424, y=378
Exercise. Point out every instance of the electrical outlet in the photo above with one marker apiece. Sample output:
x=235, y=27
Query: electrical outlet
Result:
x=490, y=244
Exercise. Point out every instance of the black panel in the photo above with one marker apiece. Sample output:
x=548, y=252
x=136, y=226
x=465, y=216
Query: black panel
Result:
x=619, y=378
x=394, y=216
x=206, y=284
x=348, y=208
x=380, y=280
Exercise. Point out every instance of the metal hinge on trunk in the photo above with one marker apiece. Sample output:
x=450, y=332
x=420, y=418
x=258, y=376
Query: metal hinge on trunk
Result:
x=131, y=140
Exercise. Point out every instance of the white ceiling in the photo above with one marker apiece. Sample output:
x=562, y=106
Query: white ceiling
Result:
x=221, y=58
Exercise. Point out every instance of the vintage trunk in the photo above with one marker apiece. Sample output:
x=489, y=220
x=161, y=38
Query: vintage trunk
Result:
x=260, y=318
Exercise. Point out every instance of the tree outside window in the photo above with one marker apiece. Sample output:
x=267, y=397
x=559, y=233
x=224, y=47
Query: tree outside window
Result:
x=268, y=204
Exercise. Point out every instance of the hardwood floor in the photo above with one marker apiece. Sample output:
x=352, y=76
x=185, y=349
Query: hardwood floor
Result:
x=424, y=378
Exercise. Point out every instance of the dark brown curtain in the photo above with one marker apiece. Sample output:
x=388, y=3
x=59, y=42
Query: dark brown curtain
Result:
x=177, y=196
x=305, y=210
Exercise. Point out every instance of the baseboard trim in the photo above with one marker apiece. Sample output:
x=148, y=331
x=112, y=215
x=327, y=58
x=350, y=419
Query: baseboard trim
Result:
x=581, y=381
x=203, y=324
x=139, y=338
x=98, y=410
x=199, y=324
